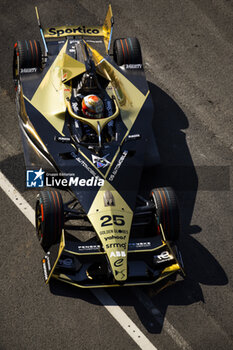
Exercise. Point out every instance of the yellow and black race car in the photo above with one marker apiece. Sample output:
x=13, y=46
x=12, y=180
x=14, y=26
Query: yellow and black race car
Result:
x=86, y=115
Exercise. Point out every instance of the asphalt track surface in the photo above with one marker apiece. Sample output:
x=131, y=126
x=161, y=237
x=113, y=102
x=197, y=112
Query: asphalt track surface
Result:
x=188, y=54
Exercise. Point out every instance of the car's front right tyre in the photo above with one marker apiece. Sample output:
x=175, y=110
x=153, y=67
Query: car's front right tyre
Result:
x=167, y=211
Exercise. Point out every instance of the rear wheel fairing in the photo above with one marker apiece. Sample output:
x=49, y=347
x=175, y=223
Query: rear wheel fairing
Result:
x=49, y=99
x=31, y=81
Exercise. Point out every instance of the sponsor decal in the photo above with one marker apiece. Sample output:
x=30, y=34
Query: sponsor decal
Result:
x=45, y=269
x=68, y=262
x=88, y=247
x=134, y=136
x=74, y=41
x=35, y=178
x=114, y=237
x=48, y=261
x=140, y=245
x=118, y=262
x=73, y=246
x=84, y=164
x=62, y=139
x=100, y=162
x=133, y=66
x=118, y=253
x=120, y=273
x=164, y=256
x=117, y=167
x=116, y=245
x=94, y=41
x=28, y=70
x=107, y=232
x=72, y=44
x=69, y=31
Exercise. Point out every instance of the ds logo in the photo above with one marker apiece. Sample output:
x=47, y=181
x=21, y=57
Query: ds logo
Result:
x=35, y=178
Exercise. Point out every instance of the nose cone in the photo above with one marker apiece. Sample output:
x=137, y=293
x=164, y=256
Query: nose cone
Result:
x=113, y=228
x=115, y=243
x=112, y=218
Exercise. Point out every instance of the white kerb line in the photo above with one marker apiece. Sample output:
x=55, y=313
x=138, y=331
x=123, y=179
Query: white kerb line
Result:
x=17, y=199
x=126, y=323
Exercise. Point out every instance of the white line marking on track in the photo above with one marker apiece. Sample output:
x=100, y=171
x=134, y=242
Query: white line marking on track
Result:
x=126, y=323
x=17, y=199
x=117, y=313
x=167, y=327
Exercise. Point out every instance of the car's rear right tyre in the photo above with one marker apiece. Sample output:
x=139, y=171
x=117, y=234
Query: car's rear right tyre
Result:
x=167, y=211
x=127, y=51
x=49, y=218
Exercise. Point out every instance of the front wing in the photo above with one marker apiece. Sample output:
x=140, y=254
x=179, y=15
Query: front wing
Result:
x=85, y=265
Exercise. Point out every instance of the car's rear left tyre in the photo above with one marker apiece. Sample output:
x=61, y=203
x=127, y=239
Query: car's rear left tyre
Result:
x=49, y=218
x=167, y=211
x=29, y=54
x=127, y=51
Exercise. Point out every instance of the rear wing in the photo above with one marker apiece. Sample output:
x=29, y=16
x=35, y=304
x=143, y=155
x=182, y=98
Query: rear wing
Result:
x=104, y=31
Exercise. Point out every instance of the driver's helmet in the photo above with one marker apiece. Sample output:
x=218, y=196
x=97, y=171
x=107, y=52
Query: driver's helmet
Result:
x=92, y=107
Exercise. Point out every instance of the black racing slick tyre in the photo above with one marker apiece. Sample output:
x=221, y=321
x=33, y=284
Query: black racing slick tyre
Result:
x=167, y=211
x=127, y=51
x=49, y=218
x=29, y=54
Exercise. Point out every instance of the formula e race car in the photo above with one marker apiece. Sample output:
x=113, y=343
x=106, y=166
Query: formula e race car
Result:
x=85, y=116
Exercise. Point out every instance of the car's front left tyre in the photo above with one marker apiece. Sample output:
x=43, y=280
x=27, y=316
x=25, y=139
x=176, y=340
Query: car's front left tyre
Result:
x=49, y=218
